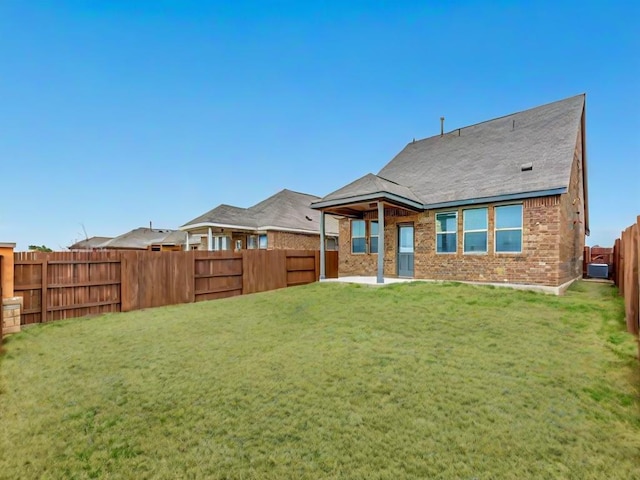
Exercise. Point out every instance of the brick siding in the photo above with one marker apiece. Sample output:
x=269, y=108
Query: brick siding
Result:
x=540, y=263
x=572, y=221
x=292, y=241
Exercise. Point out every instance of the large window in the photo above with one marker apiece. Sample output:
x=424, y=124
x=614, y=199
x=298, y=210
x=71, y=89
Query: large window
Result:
x=446, y=232
x=358, y=238
x=373, y=237
x=475, y=230
x=508, y=234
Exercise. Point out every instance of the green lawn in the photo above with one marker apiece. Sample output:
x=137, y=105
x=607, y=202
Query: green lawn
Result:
x=330, y=381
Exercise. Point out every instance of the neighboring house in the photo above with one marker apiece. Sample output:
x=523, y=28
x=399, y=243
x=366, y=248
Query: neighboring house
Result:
x=154, y=239
x=282, y=221
x=93, y=243
x=501, y=201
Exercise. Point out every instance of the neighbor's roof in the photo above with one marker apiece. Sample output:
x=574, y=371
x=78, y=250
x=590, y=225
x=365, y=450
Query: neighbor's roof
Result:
x=286, y=210
x=141, y=238
x=90, y=243
x=483, y=161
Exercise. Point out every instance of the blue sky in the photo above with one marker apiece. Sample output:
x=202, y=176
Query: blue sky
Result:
x=119, y=113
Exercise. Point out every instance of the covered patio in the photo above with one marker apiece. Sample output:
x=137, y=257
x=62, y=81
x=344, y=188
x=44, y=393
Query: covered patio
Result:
x=373, y=198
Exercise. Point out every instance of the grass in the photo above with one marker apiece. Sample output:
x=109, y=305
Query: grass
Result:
x=330, y=381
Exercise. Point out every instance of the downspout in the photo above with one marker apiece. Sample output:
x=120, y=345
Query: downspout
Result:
x=380, y=278
x=322, y=241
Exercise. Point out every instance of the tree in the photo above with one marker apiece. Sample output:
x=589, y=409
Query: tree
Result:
x=40, y=248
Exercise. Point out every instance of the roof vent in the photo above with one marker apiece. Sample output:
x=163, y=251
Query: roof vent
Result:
x=525, y=167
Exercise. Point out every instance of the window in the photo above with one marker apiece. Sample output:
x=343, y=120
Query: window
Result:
x=221, y=243
x=358, y=239
x=475, y=230
x=406, y=239
x=508, y=235
x=373, y=237
x=331, y=243
x=262, y=241
x=252, y=242
x=446, y=232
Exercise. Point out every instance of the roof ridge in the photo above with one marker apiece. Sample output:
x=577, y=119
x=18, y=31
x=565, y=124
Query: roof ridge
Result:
x=500, y=117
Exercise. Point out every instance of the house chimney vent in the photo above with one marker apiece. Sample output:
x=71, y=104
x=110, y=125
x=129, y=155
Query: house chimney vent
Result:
x=525, y=167
x=441, y=126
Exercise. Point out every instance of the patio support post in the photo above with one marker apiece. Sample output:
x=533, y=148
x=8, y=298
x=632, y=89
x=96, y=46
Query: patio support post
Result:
x=187, y=247
x=210, y=240
x=380, y=278
x=322, y=241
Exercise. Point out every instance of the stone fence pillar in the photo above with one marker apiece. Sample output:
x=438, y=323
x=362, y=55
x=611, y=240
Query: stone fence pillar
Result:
x=11, y=305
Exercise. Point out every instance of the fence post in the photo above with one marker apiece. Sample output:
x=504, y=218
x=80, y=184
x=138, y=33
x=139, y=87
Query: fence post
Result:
x=44, y=289
x=193, y=273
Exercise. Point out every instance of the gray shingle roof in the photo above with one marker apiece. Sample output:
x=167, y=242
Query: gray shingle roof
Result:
x=90, y=243
x=485, y=160
x=141, y=238
x=227, y=215
x=372, y=184
x=284, y=210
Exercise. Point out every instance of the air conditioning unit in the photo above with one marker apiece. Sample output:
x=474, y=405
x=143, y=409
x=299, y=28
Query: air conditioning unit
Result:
x=598, y=270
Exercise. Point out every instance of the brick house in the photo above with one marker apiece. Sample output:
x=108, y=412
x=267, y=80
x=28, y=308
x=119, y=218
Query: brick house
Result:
x=283, y=221
x=502, y=201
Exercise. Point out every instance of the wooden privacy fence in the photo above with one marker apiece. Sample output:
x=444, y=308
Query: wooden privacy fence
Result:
x=626, y=252
x=62, y=285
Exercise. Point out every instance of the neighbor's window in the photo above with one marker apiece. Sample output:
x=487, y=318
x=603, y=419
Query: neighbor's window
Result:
x=221, y=243
x=252, y=242
x=262, y=241
x=373, y=237
x=508, y=235
x=358, y=239
x=331, y=243
x=475, y=230
x=446, y=232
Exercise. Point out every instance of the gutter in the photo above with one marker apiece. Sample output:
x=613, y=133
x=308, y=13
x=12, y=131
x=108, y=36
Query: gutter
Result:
x=366, y=198
x=431, y=206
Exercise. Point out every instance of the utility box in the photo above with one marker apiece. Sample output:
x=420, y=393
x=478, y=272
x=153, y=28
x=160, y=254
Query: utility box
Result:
x=598, y=270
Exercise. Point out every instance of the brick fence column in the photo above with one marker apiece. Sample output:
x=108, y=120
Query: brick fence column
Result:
x=11, y=305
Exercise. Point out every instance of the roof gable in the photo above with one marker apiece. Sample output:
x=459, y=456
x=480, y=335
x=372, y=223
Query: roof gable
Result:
x=482, y=161
x=286, y=210
x=485, y=160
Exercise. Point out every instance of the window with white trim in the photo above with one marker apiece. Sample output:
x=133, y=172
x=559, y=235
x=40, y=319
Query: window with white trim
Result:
x=373, y=236
x=508, y=230
x=475, y=230
x=446, y=232
x=221, y=243
x=358, y=237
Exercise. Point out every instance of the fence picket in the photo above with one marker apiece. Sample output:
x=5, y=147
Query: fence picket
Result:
x=73, y=284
